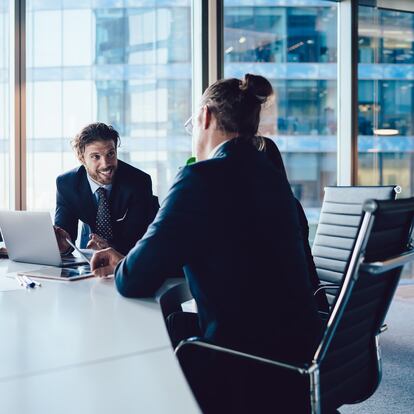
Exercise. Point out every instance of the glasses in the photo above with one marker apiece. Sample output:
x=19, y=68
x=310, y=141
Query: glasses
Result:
x=188, y=126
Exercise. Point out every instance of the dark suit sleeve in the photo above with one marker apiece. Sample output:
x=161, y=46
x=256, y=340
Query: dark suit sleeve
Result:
x=155, y=206
x=64, y=216
x=153, y=203
x=169, y=242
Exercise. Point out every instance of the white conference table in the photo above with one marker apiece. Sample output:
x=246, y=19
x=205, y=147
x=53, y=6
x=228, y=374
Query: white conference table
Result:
x=79, y=346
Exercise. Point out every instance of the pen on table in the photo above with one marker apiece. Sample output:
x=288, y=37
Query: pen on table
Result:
x=31, y=282
x=24, y=282
x=20, y=280
x=27, y=282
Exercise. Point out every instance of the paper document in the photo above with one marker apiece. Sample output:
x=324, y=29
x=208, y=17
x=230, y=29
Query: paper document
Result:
x=189, y=306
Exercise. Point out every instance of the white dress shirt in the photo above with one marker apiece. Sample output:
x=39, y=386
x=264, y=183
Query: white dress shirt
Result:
x=216, y=148
x=94, y=186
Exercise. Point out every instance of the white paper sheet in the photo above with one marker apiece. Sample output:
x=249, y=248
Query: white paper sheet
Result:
x=189, y=306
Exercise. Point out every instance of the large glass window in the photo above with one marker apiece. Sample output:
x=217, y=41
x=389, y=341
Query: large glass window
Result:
x=4, y=105
x=386, y=98
x=295, y=48
x=123, y=63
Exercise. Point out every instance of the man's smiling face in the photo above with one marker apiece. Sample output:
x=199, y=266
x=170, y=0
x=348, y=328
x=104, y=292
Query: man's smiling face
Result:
x=100, y=160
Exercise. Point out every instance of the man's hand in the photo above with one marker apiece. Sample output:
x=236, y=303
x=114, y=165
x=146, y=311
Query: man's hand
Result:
x=3, y=252
x=96, y=242
x=61, y=236
x=103, y=262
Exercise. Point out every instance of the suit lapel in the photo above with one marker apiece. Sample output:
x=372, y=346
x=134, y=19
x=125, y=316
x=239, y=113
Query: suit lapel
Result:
x=88, y=207
x=120, y=195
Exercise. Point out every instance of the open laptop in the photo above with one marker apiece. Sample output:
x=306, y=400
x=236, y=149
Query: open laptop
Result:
x=29, y=237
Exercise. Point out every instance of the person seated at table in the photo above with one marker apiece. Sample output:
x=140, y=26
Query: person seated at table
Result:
x=113, y=199
x=231, y=221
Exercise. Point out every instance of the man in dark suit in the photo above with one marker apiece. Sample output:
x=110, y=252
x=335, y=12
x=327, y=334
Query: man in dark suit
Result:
x=113, y=199
x=231, y=221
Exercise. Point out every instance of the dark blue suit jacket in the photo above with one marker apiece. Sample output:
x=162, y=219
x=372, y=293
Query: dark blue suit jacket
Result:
x=232, y=222
x=276, y=158
x=133, y=207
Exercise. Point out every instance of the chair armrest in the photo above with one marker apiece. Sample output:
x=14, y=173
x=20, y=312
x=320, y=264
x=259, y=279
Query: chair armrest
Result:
x=383, y=328
x=227, y=380
x=389, y=264
x=326, y=287
x=201, y=343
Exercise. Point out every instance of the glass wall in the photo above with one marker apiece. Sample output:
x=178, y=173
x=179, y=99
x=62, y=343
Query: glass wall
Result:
x=123, y=63
x=294, y=46
x=4, y=105
x=386, y=98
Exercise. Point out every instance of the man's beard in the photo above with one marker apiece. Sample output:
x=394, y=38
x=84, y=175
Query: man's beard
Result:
x=103, y=176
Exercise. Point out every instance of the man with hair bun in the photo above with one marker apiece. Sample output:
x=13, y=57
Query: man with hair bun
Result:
x=230, y=220
x=113, y=200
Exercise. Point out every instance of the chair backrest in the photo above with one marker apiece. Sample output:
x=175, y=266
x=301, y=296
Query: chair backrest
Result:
x=338, y=226
x=347, y=355
x=171, y=300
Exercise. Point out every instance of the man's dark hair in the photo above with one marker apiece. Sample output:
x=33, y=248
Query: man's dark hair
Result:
x=98, y=131
x=236, y=104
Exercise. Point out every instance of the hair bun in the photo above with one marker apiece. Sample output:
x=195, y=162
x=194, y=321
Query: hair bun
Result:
x=258, y=86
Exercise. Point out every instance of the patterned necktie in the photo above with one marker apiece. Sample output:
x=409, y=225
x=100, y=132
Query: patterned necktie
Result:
x=103, y=216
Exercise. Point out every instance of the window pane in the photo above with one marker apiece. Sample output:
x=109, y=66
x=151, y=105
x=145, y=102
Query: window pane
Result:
x=295, y=48
x=99, y=61
x=386, y=101
x=386, y=98
x=4, y=105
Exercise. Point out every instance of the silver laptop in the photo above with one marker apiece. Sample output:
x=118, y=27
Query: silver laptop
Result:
x=29, y=237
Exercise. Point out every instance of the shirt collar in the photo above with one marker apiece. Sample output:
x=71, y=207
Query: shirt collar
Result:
x=94, y=185
x=216, y=148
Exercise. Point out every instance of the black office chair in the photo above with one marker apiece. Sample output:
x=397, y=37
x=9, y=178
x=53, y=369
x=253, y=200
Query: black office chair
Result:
x=337, y=229
x=171, y=300
x=346, y=367
x=179, y=324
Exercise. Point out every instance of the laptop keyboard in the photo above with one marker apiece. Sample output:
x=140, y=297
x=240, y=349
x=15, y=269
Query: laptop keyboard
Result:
x=71, y=260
